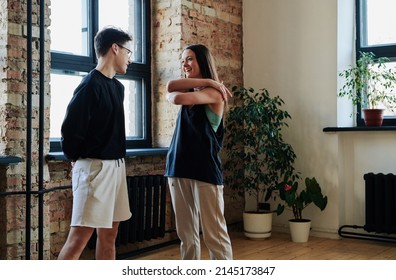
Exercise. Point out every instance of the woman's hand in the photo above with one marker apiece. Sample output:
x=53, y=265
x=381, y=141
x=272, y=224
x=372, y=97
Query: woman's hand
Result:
x=225, y=92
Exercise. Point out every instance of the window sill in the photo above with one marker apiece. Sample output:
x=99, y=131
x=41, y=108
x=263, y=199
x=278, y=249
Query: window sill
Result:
x=9, y=160
x=130, y=153
x=359, y=128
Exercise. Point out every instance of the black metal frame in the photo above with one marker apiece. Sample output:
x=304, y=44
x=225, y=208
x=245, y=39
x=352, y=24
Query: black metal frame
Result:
x=29, y=126
x=29, y=109
x=364, y=236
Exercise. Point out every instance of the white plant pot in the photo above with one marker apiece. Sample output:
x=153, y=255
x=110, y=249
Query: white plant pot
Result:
x=299, y=230
x=257, y=225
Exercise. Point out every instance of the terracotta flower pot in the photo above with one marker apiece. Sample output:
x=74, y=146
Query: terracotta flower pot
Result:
x=373, y=117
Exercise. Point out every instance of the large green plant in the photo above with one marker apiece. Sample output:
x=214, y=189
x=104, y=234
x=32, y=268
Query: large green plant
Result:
x=370, y=82
x=257, y=157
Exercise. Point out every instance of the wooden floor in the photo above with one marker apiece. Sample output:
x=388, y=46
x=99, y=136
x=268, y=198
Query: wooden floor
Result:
x=280, y=247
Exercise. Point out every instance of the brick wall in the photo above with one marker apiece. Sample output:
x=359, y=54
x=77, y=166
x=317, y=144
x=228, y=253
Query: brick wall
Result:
x=216, y=24
x=13, y=120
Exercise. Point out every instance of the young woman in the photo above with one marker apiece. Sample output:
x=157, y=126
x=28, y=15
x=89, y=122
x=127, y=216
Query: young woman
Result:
x=193, y=165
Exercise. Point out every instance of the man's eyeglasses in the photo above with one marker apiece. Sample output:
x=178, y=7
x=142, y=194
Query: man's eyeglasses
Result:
x=128, y=50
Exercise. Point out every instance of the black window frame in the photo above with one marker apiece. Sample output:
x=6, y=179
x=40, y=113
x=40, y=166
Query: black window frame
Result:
x=77, y=63
x=379, y=51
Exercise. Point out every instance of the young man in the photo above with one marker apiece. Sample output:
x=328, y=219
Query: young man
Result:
x=93, y=137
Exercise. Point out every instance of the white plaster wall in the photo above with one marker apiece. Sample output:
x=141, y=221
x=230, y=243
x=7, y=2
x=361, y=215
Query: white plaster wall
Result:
x=296, y=48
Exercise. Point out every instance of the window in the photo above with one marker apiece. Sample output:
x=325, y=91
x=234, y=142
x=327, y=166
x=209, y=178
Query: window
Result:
x=74, y=24
x=376, y=33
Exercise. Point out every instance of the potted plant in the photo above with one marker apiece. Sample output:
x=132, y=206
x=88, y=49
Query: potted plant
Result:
x=370, y=83
x=257, y=157
x=297, y=200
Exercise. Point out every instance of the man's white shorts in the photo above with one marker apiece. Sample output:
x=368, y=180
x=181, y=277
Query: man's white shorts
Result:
x=100, y=195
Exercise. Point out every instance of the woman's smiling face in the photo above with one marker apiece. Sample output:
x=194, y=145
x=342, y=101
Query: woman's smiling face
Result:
x=190, y=64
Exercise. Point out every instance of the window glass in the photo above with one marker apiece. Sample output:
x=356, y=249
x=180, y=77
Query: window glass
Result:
x=73, y=26
x=131, y=109
x=69, y=27
x=380, y=23
x=119, y=15
x=63, y=87
x=388, y=112
x=127, y=15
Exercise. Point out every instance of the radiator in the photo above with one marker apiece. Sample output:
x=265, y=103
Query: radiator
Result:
x=380, y=191
x=147, y=199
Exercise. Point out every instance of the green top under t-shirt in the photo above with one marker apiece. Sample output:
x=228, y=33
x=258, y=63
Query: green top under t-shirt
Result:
x=213, y=118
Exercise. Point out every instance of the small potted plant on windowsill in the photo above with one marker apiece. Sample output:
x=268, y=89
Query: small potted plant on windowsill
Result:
x=257, y=156
x=297, y=200
x=371, y=84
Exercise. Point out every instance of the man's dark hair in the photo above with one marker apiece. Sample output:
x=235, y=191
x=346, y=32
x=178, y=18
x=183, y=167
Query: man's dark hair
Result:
x=106, y=37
